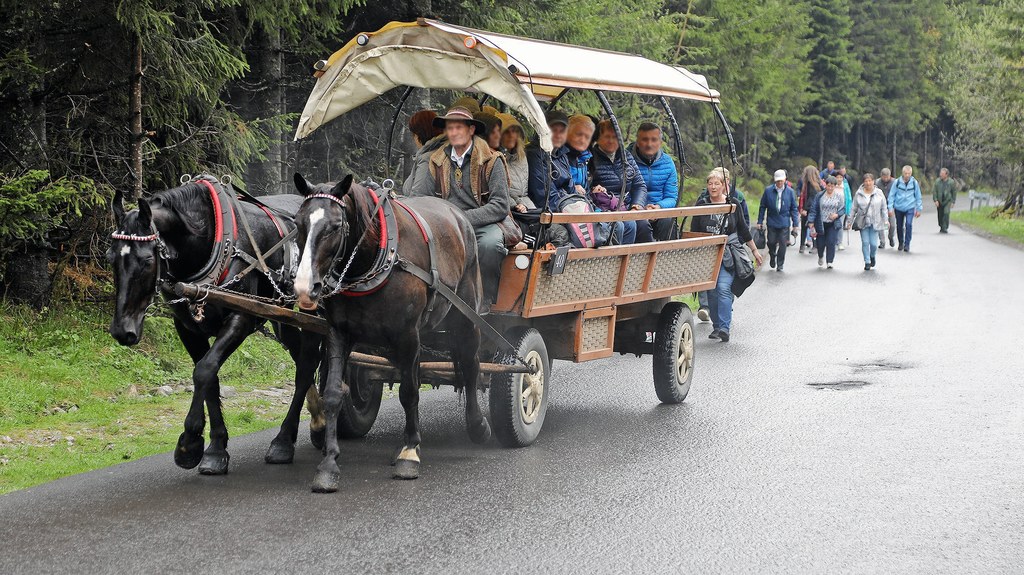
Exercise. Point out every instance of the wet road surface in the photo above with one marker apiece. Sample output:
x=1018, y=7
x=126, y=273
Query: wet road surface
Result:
x=857, y=422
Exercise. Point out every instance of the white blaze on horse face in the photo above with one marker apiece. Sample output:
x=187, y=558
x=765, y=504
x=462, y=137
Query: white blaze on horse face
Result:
x=304, y=278
x=125, y=250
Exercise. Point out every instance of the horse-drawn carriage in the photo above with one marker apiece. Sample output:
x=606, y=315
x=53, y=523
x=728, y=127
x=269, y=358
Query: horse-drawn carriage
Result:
x=575, y=305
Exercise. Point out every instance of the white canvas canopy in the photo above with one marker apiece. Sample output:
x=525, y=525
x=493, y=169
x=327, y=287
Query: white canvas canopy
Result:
x=516, y=71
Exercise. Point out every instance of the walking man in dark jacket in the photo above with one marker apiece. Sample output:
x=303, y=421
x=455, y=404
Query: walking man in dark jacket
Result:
x=884, y=183
x=944, y=195
x=779, y=203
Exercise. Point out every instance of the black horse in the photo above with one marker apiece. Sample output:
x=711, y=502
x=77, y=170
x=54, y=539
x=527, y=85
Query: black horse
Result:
x=191, y=233
x=353, y=264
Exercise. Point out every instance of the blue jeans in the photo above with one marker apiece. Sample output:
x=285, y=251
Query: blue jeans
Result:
x=628, y=233
x=869, y=243
x=720, y=300
x=904, y=220
x=826, y=242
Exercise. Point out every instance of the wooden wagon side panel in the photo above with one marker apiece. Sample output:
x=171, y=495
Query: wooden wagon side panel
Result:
x=605, y=277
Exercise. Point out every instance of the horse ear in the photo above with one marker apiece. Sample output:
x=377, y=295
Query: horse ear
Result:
x=145, y=215
x=117, y=206
x=302, y=184
x=343, y=187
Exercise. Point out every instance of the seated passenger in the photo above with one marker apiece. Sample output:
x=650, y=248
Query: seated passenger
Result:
x=606, y=182
x=658, y=171
x=579, y=137
x=513, y=145
x=484, y=199
x=492, y=128
x=427, y=139
x=554, y=184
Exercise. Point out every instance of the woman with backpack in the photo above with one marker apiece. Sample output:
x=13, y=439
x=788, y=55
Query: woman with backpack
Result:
x=720, y=299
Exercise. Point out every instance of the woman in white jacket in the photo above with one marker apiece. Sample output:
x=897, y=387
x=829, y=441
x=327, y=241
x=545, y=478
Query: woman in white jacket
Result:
x=870, y=213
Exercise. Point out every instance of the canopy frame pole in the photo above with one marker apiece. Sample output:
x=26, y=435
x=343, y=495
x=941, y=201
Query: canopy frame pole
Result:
x=728, y=133
x=554, y=101
x=618, y=134
x=394, y=119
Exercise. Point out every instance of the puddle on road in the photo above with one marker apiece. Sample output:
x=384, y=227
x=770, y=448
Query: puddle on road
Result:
x=842, y=385
x=878, y=366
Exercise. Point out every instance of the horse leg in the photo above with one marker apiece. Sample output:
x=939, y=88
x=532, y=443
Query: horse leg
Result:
x=190, y=444
x=465, y=349
x=207, y=386
x=315, y=403
x=335, y=389
x=407, y=464
x=305, y=350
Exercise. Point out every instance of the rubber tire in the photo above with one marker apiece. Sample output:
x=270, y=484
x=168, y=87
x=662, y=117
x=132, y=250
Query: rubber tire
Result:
x=505, y=394
x=674, y=321
x=358, y=413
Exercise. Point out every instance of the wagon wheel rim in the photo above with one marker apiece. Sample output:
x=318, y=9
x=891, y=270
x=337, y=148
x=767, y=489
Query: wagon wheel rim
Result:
x=684, y=359
x=531, y=388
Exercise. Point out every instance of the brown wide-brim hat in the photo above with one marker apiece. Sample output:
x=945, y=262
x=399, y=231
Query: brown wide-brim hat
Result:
x=458, y=113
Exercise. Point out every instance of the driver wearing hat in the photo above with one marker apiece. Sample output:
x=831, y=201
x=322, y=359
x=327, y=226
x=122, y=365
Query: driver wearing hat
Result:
x=469, y=174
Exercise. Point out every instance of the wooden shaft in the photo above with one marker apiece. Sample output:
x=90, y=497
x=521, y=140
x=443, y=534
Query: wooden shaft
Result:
x=634, y=215
x=243, y=304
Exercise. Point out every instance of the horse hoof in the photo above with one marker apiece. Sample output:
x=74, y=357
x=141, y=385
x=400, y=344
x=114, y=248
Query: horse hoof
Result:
x=326, y=481
x=214, y=464
x=407, y=464
x=480, y=433
x=189, y=451
x=406, y=469
x=280, y=453
x=317, y=436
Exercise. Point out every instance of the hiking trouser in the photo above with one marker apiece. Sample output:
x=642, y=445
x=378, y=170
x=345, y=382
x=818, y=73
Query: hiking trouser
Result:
x=891, y=233
x=491, y=251
x=944, y=210
x=904, y=227
x=826, y=242
x=778, y=240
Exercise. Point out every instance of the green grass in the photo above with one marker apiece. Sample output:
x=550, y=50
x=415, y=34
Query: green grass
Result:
x=73, y=400
x=1004, y=226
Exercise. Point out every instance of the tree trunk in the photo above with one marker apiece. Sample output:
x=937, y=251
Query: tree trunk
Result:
x=266, y=176
x=28, y=278
x=135, y=104
x=821, y=143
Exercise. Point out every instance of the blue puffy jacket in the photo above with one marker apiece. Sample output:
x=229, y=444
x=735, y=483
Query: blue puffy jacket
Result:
x=661, y=178
x=786, y=217
x=540, y=180
x=608, y=173
x=905, y=196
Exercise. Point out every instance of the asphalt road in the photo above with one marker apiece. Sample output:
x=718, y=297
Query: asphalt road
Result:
x=857, y=422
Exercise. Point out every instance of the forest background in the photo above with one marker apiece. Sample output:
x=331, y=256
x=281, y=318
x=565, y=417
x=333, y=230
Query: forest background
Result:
x=100, y=95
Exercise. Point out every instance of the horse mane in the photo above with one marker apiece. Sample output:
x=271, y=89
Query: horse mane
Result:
x=191, y=202
x=363, y=208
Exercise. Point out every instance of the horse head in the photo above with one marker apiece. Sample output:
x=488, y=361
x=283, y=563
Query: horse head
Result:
x=134, y=254
x=323, y=230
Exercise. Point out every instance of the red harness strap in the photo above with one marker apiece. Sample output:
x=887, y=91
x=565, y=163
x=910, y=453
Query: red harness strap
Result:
x=218, y=226
x=280, y=232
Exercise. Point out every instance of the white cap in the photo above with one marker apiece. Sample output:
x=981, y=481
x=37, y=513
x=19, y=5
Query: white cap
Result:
x=780, y=175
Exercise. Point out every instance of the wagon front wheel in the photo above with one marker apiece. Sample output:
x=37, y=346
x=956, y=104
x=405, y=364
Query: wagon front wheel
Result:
x=519, y=401
x=359, y=409
x=673, y=353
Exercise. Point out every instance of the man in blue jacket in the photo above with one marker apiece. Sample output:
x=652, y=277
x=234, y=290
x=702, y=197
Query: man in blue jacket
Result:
x=905, y=204
x=779, y=203
x=659, y=173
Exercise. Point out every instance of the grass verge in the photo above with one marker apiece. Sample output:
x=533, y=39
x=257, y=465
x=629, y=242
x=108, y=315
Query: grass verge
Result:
x=1007, y=227
x=73, y=400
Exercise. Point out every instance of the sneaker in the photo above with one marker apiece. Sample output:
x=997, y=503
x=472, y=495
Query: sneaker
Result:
x=872, y=262
x=891, y=243
x=900, y=249
x=842, y=247
x=778, y=269
x=943, y=231
x=829, y=266
x=821, y=261
x=801, y=249
x=723, y=335
x=715, y=334
x=906, y=249
x=881, y=246
x=867, y=267
x=771, y=261
x=703, y=315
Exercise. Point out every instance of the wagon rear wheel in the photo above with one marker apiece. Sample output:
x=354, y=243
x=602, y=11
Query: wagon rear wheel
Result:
x=673, y=353
x=359, y=410
x=519, y=401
